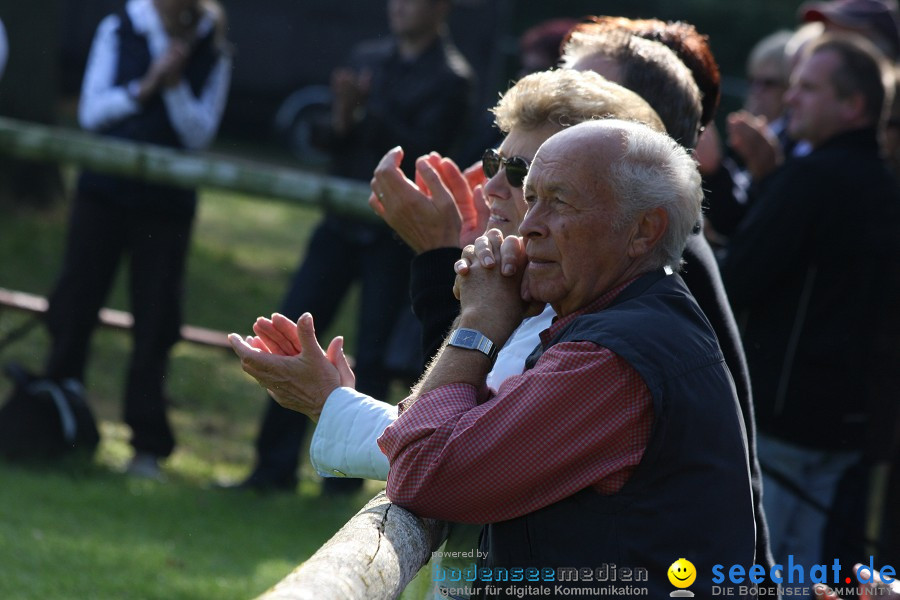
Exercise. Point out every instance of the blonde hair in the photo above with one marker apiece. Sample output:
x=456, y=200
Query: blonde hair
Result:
x=565, y=97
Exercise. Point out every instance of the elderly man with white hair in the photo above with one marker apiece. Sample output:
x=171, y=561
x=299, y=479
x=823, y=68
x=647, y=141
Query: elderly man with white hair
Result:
x=622, y=442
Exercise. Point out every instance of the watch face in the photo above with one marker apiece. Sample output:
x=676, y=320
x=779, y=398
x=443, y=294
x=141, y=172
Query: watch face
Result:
x=465, y=338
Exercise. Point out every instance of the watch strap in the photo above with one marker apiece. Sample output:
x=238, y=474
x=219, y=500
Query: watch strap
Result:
x=472, y=339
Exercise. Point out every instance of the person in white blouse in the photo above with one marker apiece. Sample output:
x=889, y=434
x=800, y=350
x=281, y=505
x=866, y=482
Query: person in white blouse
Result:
x=158, y=72
x=174, y=33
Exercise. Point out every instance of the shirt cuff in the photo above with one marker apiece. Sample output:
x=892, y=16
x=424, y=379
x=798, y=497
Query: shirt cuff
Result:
x=344, y=441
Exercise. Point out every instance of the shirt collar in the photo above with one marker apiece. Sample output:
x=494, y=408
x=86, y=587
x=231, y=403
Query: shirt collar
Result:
x=559, y=323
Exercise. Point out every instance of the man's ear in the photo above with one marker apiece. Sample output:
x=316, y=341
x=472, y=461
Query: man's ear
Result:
x=853, y=107
x=649, y=229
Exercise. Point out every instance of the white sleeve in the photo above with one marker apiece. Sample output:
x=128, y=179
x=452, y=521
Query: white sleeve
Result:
x=102, y=103
x=196, y=120
x=344, y=443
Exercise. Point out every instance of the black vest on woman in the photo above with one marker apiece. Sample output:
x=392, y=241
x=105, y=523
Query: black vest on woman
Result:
x=150, y=125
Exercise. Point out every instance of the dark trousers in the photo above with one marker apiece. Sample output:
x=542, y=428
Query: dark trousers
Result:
x=340, y=252
x=100, y=234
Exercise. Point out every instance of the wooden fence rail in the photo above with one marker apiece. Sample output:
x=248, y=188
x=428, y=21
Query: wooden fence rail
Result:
x=44, y=143
x=182, y=168
x=372, y=557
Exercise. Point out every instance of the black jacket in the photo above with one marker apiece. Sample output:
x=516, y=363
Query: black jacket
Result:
x=806, y=277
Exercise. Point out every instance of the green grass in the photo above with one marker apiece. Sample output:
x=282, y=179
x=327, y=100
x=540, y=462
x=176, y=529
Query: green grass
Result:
x=86, y=531
x=91, y=533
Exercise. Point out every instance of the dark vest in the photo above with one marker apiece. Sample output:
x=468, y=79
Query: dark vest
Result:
x=150, y=125
x=690, y=495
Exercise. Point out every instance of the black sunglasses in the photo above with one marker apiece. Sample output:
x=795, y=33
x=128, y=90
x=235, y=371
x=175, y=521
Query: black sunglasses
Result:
x=516, y=167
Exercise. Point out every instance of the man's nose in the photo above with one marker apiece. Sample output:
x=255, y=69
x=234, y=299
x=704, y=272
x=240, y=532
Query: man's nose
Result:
x=532, y=225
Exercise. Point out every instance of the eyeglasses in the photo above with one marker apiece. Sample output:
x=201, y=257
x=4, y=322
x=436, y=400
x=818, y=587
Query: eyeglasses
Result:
x=516, y=167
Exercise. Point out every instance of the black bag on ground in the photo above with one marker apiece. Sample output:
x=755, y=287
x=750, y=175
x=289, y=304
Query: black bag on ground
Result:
x=43, y=418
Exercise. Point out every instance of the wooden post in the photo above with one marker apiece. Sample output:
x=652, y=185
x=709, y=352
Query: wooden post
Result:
x=373, y=556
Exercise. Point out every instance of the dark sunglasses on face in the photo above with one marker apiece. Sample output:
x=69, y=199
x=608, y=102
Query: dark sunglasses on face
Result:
x=516, y=167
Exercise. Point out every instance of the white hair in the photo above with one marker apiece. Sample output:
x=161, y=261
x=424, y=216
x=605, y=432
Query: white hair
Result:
x=655, y=171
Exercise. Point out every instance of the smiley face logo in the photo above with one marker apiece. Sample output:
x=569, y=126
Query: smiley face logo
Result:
x=682, y=573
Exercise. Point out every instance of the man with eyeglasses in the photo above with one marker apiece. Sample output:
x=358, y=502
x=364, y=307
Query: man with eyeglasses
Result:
x=812, y=272
x=755, y=134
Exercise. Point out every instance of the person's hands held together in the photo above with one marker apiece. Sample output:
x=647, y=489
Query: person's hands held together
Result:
x=475, y=175
x=165, y=71
x=708, y=151
x=751, y=139
x=490, y=297
x=278, y=335
x=510, y=258
x=439, y=210
x=301, y=380
x=350, y=90
x=466, y=191
x=173, y=62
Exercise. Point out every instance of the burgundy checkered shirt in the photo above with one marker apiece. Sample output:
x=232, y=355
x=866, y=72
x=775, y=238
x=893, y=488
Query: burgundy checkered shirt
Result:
x=581, y=417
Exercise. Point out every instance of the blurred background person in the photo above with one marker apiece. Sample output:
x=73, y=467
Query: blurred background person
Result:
x=757, y=138
x=158, y=72
x=768, y=74
x=539, y=46
x=812, y=274
x=412, y=89
x=539, y=49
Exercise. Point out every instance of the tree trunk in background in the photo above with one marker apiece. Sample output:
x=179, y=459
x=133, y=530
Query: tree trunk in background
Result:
x=30, y=91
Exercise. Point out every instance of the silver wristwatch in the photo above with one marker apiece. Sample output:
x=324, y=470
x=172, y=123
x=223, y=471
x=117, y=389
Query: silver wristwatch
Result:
x=472, y=339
